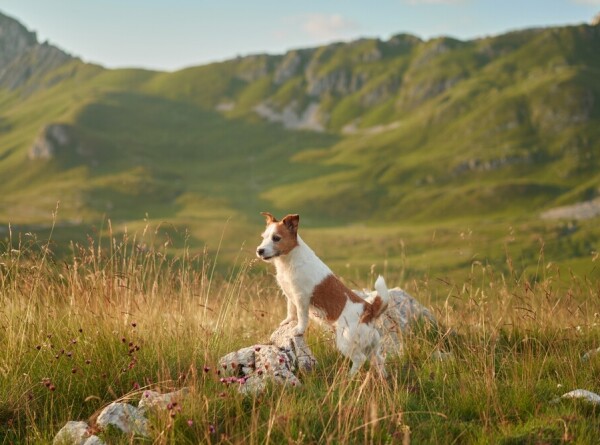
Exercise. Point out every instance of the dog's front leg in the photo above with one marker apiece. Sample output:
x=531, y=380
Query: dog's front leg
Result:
x=291, y=312
x=302, y=314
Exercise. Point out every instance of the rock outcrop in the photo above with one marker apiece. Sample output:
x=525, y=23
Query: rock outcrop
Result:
x=53, y=139
x=22, y=58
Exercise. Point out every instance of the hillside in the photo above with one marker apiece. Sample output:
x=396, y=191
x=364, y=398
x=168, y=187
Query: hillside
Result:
x=397, y=135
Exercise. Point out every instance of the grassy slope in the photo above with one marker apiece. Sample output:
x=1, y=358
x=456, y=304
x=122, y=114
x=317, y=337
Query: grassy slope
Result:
x=159, y=150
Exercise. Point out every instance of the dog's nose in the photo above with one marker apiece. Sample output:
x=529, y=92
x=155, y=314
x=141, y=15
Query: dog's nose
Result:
x=260, y=252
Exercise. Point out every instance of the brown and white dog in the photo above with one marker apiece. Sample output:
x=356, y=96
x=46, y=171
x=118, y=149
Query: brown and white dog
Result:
x=312, y=288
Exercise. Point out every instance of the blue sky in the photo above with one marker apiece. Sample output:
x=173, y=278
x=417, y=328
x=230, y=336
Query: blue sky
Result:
x=172, y=34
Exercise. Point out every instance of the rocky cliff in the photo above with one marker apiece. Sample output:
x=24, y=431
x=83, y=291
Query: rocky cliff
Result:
x=23, y=58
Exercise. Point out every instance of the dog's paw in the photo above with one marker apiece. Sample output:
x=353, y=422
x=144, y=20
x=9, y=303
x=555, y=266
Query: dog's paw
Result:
x=298, y=332
x=286, y=321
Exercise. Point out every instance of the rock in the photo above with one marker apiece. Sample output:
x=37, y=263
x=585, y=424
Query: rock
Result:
x=288, y=68
x=23, y=58
x=253, y=367
x=125, y=417
x=73, y=433
x=583, y=394
x=591, y=353
x=239, y=362
x=154, y=399
x=94, y=440
x=284, y=338
x=309, y=119
x=402, y=314
x=579, y=211
x=52, y=139
x=253, y=370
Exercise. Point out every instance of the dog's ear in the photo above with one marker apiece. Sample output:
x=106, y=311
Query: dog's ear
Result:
x=291, y=222
x=268, y=217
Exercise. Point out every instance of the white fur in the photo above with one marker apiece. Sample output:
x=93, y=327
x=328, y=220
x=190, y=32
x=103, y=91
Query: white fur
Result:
x=298, y=273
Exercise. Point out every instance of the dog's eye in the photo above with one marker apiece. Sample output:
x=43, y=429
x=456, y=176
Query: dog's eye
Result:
x=276, y=238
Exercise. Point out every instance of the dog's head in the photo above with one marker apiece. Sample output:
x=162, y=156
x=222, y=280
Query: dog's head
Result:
x=279, y=238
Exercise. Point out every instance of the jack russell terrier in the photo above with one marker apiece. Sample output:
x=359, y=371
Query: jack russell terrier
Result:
x=311, y=288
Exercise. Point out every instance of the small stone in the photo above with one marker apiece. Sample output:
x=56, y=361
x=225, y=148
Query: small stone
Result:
x=73, y=433
x=591, y=353
x=125, y=417
x=153, y=399
x=583, y=394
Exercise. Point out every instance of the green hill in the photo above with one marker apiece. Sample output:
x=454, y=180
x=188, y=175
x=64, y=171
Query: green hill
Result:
x=372, y=141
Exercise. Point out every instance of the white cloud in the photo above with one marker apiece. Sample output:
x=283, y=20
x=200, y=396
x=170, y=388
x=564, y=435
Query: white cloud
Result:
x=328, y=26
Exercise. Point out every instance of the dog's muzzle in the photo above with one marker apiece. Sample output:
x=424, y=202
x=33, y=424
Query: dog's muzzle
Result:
x=260, y=252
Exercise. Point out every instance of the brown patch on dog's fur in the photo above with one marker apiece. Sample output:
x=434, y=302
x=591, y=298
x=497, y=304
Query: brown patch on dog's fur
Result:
x=373, y=310
x=288, y=241
x=331, y=296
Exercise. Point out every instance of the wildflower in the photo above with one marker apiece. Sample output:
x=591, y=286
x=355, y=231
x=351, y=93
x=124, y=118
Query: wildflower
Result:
x=74, y=370
x=190, y=422
x=206, y=368
x=38, y=347
x=80, y=331
x=212, y=429
x=88, y=361
x=136, y=385
x=134, y=324
x=52, y=387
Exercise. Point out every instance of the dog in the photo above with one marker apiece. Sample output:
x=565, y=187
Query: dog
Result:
x=311, y=288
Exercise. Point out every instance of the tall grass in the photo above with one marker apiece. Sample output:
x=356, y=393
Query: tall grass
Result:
x=121, y=315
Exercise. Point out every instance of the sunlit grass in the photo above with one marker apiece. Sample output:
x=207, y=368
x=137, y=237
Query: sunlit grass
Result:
x=120, y=315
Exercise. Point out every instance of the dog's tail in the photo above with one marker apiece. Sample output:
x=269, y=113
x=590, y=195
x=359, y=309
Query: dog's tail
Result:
x=378, y=304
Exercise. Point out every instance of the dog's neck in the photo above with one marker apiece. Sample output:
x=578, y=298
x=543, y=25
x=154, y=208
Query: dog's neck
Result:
x=297, y=258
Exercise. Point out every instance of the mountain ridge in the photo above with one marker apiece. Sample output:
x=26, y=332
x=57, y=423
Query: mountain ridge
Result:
x=370, y=131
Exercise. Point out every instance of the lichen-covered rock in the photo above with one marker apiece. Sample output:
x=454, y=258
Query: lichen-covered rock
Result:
x=125, y=417
x=403, y=312
x=583, y=394
x=284, y=338
x=94, y=440
x=239, y=362
x=73, y=433
x=253, y=367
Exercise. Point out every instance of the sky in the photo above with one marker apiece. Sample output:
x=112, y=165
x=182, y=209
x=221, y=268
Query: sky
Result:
x=173, y=34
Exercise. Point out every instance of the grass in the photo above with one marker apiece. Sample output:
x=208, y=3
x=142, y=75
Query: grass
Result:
x=120, y=315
